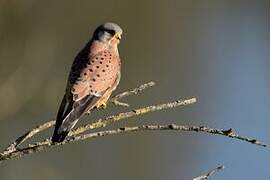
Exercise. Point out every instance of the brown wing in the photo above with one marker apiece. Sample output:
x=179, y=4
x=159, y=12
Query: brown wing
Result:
x=89, y=79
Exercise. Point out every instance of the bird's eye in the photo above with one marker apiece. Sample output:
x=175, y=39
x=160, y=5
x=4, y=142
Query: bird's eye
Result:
x=111, y=32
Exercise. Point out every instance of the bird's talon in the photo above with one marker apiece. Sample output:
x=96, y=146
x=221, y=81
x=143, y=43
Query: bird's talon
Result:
x=102, y=105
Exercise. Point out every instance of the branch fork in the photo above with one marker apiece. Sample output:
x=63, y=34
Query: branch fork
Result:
x=14, y=150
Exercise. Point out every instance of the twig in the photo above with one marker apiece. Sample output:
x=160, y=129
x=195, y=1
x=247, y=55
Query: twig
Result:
x=13, y=151
x=210, y=173
x=115, y=100
x=137, y=90
x=12, y=147
x=40, y=146
x=136, y=112
x=99, y=123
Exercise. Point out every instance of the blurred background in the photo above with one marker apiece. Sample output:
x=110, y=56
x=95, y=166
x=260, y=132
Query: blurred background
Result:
x=217, y=51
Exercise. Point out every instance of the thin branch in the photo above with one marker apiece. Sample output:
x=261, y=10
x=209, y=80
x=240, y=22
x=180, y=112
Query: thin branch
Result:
x=40, y=146
x=12, y=147
x=136, y=112
x=99, y=123
x=13, y=151
x=137, y=90
x=115, y=100
x=210, y=173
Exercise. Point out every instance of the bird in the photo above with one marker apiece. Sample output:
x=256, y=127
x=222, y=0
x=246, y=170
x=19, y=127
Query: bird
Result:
x=94, y=75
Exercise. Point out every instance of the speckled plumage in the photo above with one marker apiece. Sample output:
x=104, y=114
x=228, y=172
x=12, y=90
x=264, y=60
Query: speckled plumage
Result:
x=95, y=73
x=99, y=74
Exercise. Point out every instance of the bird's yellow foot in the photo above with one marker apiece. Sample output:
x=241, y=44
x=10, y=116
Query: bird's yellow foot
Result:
x=101, y=105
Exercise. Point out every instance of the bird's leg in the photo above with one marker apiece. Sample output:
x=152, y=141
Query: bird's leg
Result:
x=102, y=102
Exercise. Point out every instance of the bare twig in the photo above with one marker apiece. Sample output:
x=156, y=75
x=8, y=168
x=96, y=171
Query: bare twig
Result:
x=137, y=90
x=12, y=147
x=99, y=123
x=115, y=100
x=13, y=151
x=40, y=146
x=210, y=173
x=136, y=112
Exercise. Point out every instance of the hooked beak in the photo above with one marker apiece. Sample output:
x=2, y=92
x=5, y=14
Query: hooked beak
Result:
x=118, y=36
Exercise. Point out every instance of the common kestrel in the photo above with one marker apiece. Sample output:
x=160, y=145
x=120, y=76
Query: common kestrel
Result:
x=95, y=73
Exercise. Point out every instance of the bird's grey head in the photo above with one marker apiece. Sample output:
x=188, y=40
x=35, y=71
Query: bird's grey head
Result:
x=108, y=32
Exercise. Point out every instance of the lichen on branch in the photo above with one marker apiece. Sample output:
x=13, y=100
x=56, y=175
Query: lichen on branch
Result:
x=14, y=150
